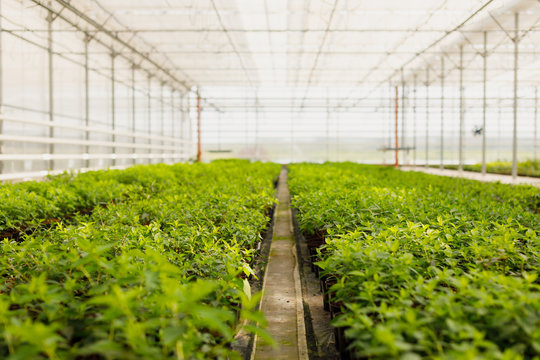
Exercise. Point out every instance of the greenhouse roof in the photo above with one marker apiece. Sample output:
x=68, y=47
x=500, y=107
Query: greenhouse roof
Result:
x=305, y=46
x=316, y=42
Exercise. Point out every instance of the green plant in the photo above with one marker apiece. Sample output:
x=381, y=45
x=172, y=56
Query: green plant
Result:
x=426, y=266
x=162, y=274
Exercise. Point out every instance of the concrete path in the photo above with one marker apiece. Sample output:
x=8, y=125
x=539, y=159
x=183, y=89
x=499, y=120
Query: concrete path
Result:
x=282, y=293
x=505, y=179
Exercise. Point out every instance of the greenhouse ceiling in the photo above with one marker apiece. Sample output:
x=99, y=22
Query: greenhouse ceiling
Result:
x=313, y=42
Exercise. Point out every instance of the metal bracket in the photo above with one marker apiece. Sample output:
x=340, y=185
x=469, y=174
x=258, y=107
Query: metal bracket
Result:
x=512, y=38
x=478, y=52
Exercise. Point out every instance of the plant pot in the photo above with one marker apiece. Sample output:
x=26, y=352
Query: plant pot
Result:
x=335, y=307
x=341, y=343
x=330, y=280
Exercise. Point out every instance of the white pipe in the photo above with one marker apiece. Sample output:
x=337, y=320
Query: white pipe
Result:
x=89, y=129
x=86, y=156
x=47, y=140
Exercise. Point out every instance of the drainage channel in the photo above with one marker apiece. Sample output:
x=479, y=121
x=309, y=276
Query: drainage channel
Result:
x=282, y=289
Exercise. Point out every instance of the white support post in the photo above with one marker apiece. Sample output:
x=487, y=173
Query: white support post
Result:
x=51, y=82
x=327, y=126
x=149, y=112
x=461, y=109
x=162, y=116
x=86, y=96
x=173, y=114
x=1, y=87
x=414, y=119
x=403, y=144
x=219, y=119
x=535, y=144
x=113, y=104
x=441, y=166
x=427, y=117
x=484, y=103
x=182, y=120
x=499, y=117
x=246, y=119
x=391, y=113
x=338, y=137
x=515, y=112
x=291, y=146
x=133, y=116
x=257, y=127
x=190, y=123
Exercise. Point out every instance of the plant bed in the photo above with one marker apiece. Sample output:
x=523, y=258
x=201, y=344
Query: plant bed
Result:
x=28, y=206
x=156, y=276
x=428, y=266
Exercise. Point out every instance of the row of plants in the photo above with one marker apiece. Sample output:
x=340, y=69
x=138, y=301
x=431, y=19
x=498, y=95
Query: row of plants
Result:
x=525, y=168
x=418, y=266
x=26, y=206
x=163, y=274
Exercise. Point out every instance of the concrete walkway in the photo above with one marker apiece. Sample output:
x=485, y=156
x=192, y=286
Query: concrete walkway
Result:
x=505, y=179
x=282, y=293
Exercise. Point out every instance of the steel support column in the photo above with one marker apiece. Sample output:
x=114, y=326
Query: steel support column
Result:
x=182, y=120
x=162, y=120
x=441, y=166
x=1, y=87
x=535, y=143
x=133, y=123
x=219, y=120
x=484, y=103
x=189, y=122
x=257, y=127
x=86, y=96
x=514, y=132
x=113, y=105
x=396, y=136
x=414, y=120
x=461, y=109
x=427, y=117
x=246, y=115
x=403, y=145
x=199, y=152
x=338, y=137
x=172, y=122
x=391, y=112
x=291, y=147
x=499, y=116
x=51, y=82
x=327, y=126
x=149, y=112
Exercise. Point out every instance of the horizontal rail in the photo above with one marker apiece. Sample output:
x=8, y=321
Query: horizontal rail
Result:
x=22, y=176
x=136, y=135
x=80, y=142
x=85, y=156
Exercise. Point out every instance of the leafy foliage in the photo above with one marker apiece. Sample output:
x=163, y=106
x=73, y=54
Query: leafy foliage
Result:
x=30, y=204
x=161, y=274
x=426, y=266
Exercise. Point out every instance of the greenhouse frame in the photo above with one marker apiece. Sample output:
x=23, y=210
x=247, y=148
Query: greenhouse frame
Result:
x=93, y=85
x=269, y=179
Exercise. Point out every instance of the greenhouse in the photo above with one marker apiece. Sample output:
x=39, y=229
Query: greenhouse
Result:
x=269, y=179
